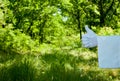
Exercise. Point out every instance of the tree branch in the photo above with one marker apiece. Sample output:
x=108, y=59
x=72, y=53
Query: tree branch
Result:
x=110, y=7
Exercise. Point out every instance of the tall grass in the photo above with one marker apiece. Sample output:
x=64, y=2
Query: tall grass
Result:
x=67, y=69
x=58, y=65
x=4, y=76
x=21, y=70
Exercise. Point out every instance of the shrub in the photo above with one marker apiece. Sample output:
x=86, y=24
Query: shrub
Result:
x=15, y=41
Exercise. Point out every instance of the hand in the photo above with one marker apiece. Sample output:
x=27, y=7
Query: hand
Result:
x=89, y=39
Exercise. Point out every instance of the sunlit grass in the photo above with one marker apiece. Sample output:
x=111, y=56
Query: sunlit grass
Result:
x=55, y=63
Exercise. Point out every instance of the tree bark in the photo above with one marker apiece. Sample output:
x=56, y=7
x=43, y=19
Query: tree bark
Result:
x=101, y=13
x=78, y=20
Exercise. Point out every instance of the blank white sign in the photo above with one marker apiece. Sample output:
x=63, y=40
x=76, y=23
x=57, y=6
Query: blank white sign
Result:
x=109, y=51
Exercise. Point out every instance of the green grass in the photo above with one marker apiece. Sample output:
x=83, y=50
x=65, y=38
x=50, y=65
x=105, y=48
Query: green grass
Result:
x=55, y=64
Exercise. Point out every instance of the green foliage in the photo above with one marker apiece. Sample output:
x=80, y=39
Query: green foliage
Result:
x=39, y=40
x=32, y=17
x=49, y=20
x=15, y=41
x=106, y=31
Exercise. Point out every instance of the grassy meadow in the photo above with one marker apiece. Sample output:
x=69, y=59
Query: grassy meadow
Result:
x=63, y=61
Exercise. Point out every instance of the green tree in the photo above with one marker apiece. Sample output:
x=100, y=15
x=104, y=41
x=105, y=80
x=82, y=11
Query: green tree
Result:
x=73, y=11
x=31, y=16
x=107, y=10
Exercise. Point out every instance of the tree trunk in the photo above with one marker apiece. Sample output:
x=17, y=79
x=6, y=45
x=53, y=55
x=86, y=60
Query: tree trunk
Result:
x=41, y=35
x=78, y=20
x=101, y=13
x=41, y=32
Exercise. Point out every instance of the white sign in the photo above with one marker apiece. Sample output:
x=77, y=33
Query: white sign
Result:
x=108, y=48
x=109, y=51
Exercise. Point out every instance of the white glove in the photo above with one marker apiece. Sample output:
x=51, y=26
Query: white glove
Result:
x=89, y=39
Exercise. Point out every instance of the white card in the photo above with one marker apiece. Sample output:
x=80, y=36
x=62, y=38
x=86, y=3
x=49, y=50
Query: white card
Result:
x=109, y=51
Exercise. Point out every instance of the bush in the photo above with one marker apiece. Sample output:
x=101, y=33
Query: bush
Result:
x=14, y=40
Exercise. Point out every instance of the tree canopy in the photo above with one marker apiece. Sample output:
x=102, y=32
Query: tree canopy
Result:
x=43, y=20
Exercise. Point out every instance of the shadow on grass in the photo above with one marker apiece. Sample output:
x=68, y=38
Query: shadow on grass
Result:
x=68, y=58
x=63, y=67
x=9, y=56
x=20, y=70
x=58, y=72
x=5, y=56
